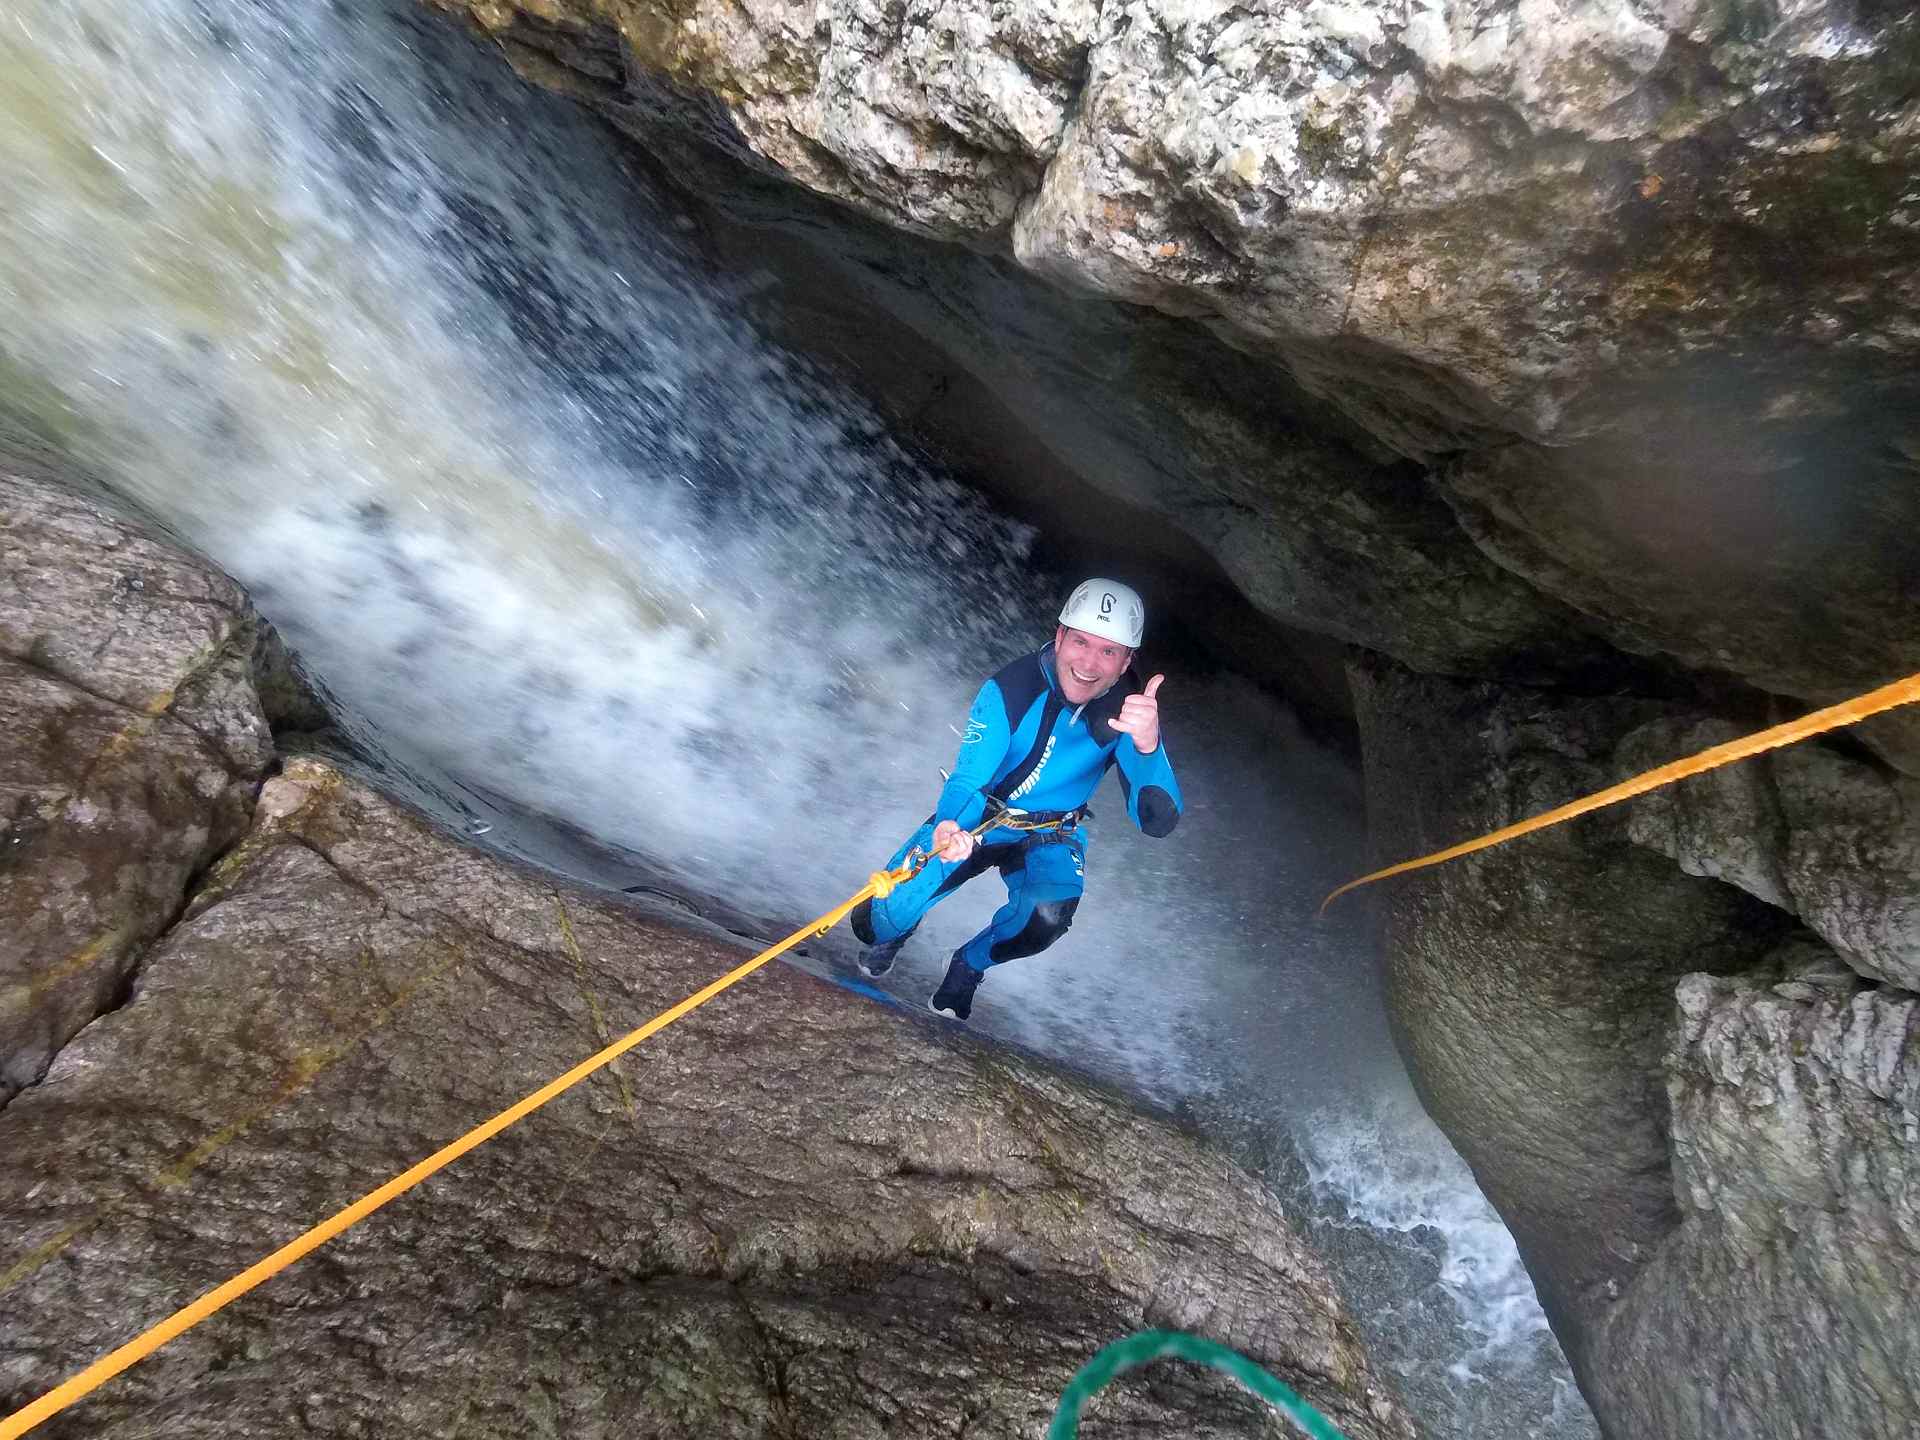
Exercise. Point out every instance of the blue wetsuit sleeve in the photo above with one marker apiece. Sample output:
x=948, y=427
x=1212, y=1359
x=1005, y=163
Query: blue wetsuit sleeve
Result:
x=982, y=751
x=1153, y=795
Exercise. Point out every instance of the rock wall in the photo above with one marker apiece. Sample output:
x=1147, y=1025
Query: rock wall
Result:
x=1501, y=193
x=1827, y=838
x=794, y=1213
x=134, y=739
x=1531, y=988
x=1796, y=1111
x=1698, y=1119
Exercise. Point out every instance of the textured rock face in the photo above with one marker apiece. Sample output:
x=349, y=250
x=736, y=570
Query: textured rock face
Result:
x=791, y=1213
x=1503, y=191
x=133, y=740
x=1532, y=987
x=1738, y=521
x=1833, y=840
x=1716, y=1165
x=938, y=115
x=1796, y=1110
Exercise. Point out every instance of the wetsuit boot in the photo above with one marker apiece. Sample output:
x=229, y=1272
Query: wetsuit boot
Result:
x=955, y=995
x=877, y=960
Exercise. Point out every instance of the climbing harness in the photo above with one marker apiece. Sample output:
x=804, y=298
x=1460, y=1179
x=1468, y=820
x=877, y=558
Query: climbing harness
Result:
x=1039, y=819
x=1150, y=1345
x=879, y=885
x=1001, y=816
x=1887, y=697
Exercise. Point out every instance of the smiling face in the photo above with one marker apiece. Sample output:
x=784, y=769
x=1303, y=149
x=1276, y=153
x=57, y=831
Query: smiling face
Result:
x=1086, y=665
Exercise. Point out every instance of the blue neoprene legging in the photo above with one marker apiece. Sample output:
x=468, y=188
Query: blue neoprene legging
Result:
x=1044, y=874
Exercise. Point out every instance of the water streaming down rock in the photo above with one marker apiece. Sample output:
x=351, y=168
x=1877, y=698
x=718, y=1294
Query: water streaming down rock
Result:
x=418, y=360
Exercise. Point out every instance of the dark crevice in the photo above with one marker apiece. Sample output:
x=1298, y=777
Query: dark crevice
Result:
x=1070, y=105
x=139, y=954
x=140, y=714
x=773, y=1363
x=39, y=666
x=240, y=647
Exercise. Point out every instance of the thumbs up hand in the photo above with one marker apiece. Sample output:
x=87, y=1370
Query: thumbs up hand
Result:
x=1140, y=717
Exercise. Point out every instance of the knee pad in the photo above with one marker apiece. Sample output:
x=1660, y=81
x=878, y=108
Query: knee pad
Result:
x=1053, y=917
x=1047, y=923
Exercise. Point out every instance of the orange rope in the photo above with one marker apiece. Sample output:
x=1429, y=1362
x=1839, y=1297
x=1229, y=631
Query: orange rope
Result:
x=880, y=884
x=1901, y=692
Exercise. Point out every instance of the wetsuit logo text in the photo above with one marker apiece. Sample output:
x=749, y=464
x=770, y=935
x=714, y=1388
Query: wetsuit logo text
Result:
x=1034, y=779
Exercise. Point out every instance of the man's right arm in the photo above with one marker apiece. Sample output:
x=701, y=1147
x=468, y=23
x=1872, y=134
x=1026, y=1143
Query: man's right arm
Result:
x=982, y=749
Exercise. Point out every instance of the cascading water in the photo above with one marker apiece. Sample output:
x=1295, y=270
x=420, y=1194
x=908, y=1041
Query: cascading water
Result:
x=412, y=352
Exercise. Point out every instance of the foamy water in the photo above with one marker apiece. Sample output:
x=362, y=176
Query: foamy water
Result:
x=1392, y=1169
x=409, y=350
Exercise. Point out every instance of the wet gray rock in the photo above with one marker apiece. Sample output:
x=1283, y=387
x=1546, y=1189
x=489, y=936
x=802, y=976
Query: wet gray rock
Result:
x=1501, y=196
x=1531, y=987
x=1725, y=824
x=1834, y=840
x=133, y=741
x=1474, y=206
x=936, y=115
x=1716, y=1165
x=1853, y=859
x=793, y=1212
x=1796, y=1110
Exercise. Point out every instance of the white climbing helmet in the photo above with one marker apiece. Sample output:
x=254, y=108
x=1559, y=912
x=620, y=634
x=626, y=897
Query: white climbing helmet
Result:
x=1108, y=609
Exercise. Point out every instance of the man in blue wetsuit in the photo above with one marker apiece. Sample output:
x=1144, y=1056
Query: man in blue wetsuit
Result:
x=1039, y=738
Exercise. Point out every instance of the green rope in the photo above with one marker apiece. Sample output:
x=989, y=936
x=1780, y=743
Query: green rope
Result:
x=1151, y=1345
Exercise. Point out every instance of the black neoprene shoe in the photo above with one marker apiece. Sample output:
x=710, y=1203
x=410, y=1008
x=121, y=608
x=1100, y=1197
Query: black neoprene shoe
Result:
x=877, y=960
x=955, y=996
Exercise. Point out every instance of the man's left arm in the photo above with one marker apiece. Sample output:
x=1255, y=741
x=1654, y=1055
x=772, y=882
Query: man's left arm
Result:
x=1146, y=774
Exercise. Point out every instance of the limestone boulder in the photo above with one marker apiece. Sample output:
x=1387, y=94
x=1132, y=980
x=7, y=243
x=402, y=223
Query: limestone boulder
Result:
x=1531, y=986
x=1697, y=1118
x=1483, y=201
x=1753, y=515
x=1506, y=197
x=134, y=738
x=1796, y=1101
x=935, y=115
x=1832, y=839
x=793, y=1212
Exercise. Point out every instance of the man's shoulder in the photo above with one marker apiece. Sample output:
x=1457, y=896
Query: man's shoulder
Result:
x=1020, y=682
